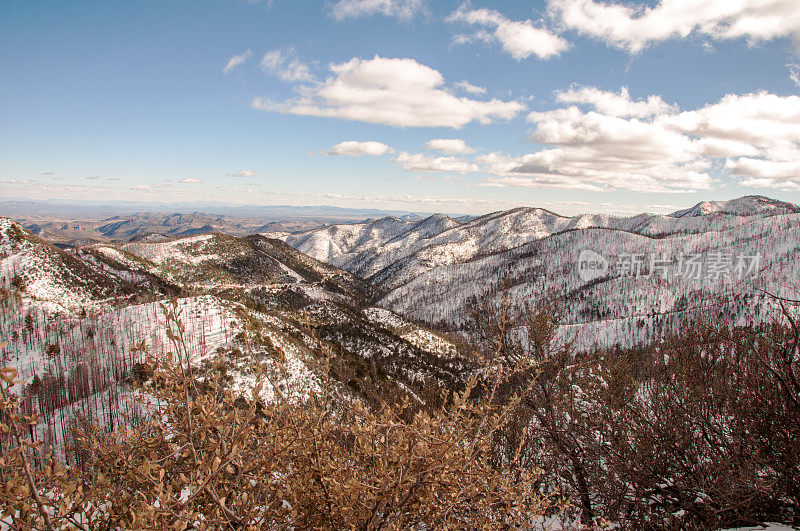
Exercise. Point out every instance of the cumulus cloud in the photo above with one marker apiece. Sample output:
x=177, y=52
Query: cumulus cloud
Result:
x=613, y=104
x=286, y=65
x=236, y=61
x=402, y=9
x=605, y=140
x=595, y=152
x=632, y=28
x=764, y=121
x=521, y=39
x=396, y=92
x=644, y=146
x=450, y=146
x=354, y=148
x=244, y=173
x=766, y=173
x=761, y=132
x=468, y=87
x=419, y=162
x=190, y=180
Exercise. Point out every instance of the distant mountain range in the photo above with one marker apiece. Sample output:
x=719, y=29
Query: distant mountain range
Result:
x=78, y=224
x=433, y=269
x=104, y=209
x=153, y=227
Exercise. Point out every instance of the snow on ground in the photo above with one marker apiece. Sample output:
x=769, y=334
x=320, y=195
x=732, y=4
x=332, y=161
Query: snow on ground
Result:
x=131, y=274
x=75, y=370
x=419, y=337
x=385, y=318
x=210, y=323
x=300, y=381
x=172, y=250
x=42, y=283
x=46, y=283
x=5, y=227
x=429, y=341
x=188, y=251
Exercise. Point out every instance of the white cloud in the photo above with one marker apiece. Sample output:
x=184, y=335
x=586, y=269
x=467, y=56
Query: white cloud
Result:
x=757, y=134
x=794, y=74
x=244, y=173
x=766, y=173
x=396, y=92
x=613, y=104
x=640, y=146
x=597, y=152
x=468, y=87
x=723, y=148
x=402, y=9
x=633, y=28
x=615, y=142
x=521, y=39
x=236, y=61
x=354, y=148
x=286, y=65
x=451, y=146
x=190, y=180
x=764, y=121
x=424, y=163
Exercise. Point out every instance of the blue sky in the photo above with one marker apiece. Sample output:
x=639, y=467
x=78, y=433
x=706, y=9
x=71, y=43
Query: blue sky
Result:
x=574, y=105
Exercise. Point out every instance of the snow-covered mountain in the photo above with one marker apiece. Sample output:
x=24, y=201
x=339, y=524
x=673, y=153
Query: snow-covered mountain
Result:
x=434, y=276
x=752, y=205
x=55, y=280
x=71, y=318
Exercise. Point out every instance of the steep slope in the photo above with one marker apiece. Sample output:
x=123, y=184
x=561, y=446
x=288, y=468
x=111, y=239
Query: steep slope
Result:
x=369, y=248
x=331, y=243
x=287, y=290
x=44, y=276
x=306, y=294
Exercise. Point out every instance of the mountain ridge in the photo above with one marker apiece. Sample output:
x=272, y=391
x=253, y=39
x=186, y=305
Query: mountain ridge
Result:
x=741, y=206
x=431, y=279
